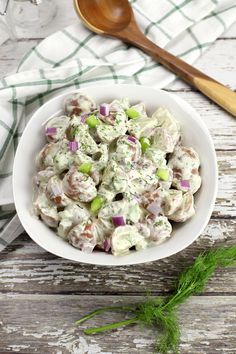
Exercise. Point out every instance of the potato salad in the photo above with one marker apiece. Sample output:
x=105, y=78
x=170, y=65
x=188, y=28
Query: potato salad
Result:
x=113, y=178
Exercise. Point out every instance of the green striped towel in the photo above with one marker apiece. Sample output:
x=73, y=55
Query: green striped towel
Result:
x=74, y=58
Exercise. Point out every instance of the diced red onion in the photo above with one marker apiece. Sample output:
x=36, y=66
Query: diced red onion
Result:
x=87, y=248
x=132, y=138
x=84, y=117
x=184, y=183
x=154, y=208
x=73, y=145
x=104, y=109
x=56, y=190
x=137, y=198
x=107, y=245
x=118, y=220
x=51, y=131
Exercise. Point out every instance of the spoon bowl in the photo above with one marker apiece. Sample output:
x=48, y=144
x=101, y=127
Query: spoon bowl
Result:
x=104, y=16
x=115, y=18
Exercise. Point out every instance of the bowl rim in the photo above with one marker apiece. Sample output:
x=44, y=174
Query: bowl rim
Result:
x=183, y=105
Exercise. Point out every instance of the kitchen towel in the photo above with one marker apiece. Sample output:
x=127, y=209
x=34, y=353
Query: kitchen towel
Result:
x=74, y=58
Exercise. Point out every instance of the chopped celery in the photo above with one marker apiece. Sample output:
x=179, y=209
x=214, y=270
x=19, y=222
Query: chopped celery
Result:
x=132, y=113
x=92, y=121
x=85, y=167
x=96, y=204
x=145, y=143
x=163, y=174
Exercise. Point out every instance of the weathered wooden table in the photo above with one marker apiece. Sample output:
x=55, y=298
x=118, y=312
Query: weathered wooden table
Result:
x=42, y=295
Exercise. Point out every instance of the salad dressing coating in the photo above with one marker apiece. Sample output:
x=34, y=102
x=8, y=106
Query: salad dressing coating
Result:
x=112, y=178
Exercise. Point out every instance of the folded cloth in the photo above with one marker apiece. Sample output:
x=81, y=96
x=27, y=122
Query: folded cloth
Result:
x=75, y=58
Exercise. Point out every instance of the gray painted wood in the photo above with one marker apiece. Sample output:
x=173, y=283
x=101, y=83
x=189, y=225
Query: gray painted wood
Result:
x=26, y=268
x=46, y=324
x=42, y=295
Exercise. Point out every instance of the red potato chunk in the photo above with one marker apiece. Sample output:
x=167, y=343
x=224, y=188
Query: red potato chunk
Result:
x=55, y=193
x=46, y=210
x=127, y=150
x=82, y=237
x=185, y=165
x=79, y=186
x=186, y=210
x=77, y=104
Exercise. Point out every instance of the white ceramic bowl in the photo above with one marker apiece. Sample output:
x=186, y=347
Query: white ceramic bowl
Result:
x=195, y=134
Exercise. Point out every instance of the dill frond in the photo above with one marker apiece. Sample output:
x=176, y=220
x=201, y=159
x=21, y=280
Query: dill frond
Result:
x=160, y=312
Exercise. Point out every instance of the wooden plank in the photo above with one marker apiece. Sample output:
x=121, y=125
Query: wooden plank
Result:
x=226, y=197
x=46, y=323
x=220, y=124
x=26, y=268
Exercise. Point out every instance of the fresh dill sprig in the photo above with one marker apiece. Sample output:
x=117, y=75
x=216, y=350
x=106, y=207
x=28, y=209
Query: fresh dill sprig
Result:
x=152, y=313
x=160, y=312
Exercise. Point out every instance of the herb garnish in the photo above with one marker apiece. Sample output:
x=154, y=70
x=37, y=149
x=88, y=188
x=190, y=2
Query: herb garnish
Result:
x=160, y=312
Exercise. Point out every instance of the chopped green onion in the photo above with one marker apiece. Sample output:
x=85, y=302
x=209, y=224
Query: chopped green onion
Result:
x=96, y=204
x=92, y=121
x=145, y=143
x=85, y=167
x=132, y=113
x=163, y=174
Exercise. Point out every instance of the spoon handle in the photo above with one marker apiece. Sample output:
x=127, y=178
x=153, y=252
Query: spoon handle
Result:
x=213, y=89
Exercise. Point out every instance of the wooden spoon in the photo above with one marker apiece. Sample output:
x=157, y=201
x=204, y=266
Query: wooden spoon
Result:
x=115, y=18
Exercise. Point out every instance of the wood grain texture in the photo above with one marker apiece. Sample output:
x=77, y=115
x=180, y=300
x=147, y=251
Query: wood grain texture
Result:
x=46, y=334
x=216, y=92
x=220, y=124
x=27, y=268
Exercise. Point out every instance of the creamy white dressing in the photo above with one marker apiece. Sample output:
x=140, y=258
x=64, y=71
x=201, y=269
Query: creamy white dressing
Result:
x=125, y=237
x=90, y=176
x=71, y=216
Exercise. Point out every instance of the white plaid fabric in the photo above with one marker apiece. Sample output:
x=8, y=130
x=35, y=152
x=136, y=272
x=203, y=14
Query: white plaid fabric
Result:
x=75, y=58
